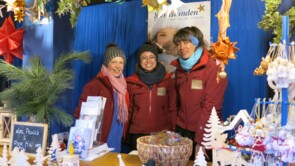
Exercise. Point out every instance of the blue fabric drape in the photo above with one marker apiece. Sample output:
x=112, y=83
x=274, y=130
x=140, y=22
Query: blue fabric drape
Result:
x=125, y=24
x=243, y=86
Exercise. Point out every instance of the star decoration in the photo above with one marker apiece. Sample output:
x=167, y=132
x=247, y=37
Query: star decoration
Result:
x=154, y=4
x=11, y=41
x=1, y=7
x=223, y=18
x=19, y=15
x=10, y=5
x=162, y=10
x=201, y=8
x=223, y=50
x=175, y=4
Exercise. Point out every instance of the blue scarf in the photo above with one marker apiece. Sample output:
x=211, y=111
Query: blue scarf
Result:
x=188, y=64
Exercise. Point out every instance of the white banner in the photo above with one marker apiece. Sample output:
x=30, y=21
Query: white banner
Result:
x=190, y=14
x=162, y=29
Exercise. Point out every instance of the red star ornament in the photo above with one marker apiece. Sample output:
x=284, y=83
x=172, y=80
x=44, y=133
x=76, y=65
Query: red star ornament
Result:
x=11, y=41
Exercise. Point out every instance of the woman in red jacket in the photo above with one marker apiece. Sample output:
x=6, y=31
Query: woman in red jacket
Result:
x=152, y=96
x=111, y=84
x=197, y=88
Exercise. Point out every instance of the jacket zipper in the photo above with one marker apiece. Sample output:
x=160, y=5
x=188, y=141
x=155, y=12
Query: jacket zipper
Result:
x=150, y=107
x=186, y=111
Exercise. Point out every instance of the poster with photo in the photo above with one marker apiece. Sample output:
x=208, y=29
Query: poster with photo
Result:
x=161, y=29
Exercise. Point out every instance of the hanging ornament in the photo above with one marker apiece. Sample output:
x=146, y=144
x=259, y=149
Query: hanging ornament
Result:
x=223, y=49
x=10, y=5
x=18, y=7
x=1, y=7
x=154, y=4
x=11, y=41
x=175, y=4
x=259, y=71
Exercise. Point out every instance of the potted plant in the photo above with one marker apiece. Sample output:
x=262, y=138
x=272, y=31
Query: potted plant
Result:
x=35, y=90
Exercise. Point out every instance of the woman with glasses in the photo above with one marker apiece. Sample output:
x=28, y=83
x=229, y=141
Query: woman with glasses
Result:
x=152, y=96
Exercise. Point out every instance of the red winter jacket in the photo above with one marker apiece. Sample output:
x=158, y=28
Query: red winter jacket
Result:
x=151, y=110
x=100, y=86
x=198, y=92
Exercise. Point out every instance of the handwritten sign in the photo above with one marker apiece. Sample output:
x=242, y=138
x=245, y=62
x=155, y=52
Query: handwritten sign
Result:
x=28, y=136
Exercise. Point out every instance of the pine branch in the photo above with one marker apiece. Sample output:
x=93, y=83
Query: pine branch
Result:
x=35, y=90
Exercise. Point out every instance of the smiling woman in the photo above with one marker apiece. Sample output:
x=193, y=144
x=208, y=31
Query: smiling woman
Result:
x=152, y=96
x=110, y=83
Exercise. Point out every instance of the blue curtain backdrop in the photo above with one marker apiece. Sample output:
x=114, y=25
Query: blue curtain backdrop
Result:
x=126, y=25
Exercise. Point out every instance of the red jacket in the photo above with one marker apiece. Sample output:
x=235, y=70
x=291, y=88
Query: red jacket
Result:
x=100, y=86
x=151, y=110
x=198, y=92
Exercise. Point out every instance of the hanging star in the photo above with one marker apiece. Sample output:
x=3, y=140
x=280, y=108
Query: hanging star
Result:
x=223, y=18
x=175, y=4
x=10, y=5
x=162, y=10
x=154, y=4
x=11, y=40
x=1, y=7
x=223, y=50
x=201, y=8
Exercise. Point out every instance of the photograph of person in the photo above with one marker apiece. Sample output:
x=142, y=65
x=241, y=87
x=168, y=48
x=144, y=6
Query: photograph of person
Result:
x=162, y=35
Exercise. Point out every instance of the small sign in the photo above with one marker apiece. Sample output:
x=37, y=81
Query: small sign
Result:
x=28, y=137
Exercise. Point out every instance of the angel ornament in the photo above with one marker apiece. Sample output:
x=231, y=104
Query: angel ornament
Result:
x=258, y=147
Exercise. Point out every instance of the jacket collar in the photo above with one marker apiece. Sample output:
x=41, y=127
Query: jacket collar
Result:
x=202, y=62
x=104, y=79
x=135, y=79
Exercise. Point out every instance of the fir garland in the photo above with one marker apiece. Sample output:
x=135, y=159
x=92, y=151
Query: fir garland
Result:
x=73, y=7
x=272, y=19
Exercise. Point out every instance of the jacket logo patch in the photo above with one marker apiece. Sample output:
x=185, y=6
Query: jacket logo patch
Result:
x=161, y=91
x=197, y=84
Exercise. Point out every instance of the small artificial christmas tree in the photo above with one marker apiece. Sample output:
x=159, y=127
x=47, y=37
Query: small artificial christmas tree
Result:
x=21, y=159
x=14, y=154
x=54, y=151
x=39, y=157
x=200, y=159
x=213, y=130
x=4, y=156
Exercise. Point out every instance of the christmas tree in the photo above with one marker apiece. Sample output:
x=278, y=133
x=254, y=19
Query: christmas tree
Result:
x=200, y=159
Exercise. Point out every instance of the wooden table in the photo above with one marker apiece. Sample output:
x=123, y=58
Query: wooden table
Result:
x=111, y=159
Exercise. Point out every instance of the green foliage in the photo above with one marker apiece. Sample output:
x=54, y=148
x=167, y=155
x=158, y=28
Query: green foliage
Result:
x=35, y=90
x=70, y=6
x=272, y=19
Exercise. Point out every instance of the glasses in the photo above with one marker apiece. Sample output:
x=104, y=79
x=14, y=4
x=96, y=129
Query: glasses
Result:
x=145, y=58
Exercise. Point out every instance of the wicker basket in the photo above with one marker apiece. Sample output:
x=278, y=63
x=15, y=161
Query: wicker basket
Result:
x=164, y=155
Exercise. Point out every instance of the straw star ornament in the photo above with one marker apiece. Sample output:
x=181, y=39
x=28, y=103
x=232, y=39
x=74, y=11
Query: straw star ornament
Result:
x=223, y=49
x=154, y=4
